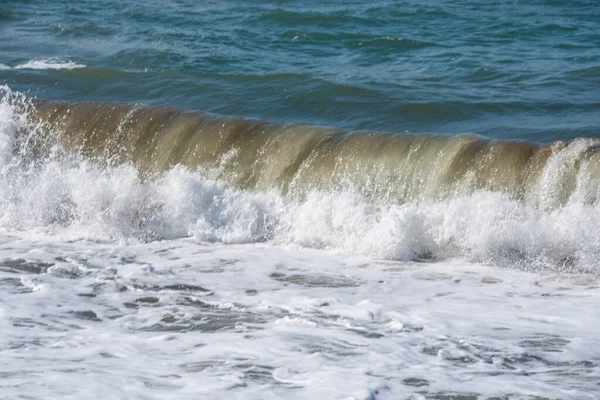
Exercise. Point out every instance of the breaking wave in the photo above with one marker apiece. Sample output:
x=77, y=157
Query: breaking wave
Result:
x=108, y=171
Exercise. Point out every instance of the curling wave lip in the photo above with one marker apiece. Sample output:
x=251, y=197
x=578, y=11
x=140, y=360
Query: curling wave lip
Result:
x=259, y=155
x=114, y=172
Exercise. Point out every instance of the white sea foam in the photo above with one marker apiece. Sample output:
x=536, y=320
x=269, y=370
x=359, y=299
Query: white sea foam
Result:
x=45, y=63
x=179, y=319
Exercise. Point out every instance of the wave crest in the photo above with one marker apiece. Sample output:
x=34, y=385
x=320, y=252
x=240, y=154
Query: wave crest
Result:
x=129, y=173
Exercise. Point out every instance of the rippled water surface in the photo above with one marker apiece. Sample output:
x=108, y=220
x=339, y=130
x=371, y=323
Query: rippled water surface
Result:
x=499, y=68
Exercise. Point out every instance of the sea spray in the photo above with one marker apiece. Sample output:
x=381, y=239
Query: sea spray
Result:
x=159, y=174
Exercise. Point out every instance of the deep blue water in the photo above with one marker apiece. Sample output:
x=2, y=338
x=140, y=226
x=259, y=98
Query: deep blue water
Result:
x=502, y=69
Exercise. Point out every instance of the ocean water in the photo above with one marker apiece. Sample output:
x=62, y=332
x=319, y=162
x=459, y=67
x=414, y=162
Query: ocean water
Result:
x=299, y=200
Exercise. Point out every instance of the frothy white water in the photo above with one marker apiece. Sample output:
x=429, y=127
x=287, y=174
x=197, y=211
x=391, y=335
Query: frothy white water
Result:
x=46, y=63
x=182, y=319
x=65, y=194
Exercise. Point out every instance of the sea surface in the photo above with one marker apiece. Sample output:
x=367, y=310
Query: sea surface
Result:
x=300, y=200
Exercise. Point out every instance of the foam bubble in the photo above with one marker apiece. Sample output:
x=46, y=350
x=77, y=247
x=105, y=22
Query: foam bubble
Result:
x=49, y=63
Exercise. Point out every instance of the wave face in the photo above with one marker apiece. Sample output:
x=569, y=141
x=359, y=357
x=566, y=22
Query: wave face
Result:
x=108, y=171
x=258, y=155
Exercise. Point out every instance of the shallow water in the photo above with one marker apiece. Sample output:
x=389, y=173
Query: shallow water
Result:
x=183, y=318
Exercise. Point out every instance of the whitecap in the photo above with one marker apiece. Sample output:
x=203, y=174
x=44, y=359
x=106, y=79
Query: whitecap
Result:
x=49, y=63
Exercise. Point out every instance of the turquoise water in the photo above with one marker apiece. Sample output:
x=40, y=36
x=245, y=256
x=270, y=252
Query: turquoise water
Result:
x=501, y=69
